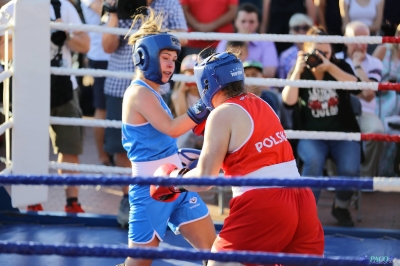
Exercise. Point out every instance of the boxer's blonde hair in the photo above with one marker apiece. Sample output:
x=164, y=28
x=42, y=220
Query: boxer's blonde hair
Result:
x=150, y=24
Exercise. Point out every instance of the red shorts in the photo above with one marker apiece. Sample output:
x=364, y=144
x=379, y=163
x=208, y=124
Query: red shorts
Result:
x=273, y=220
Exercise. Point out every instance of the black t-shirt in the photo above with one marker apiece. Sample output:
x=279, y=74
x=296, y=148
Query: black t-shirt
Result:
x=325, y=109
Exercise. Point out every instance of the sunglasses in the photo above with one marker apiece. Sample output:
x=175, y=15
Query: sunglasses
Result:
x=303, y=28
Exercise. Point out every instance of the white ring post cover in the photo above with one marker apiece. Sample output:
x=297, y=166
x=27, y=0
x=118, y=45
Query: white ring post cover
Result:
x=31, y=97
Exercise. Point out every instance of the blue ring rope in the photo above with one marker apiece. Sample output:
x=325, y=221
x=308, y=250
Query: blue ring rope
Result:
x=314, y=182
x=33, y=248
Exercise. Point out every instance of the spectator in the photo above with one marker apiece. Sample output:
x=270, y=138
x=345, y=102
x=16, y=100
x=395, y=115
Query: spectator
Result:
x=391, y=17
x=389, y=54
x=319, y=109
x=257, y=3
x=388, y=102
x=98, y=59
x=298, y=24
x=207, y=16
x=368, y=69
x=185, y=94
x=67, y=141
x=121, y=60
x=329, y=18
x=254, y=69
x=247, y=21
x=238, y=47
x=370, y=12
x=277, y=13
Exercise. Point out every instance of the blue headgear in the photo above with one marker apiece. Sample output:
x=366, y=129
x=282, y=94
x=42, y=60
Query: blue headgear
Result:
x=146, y=53
x=213, y=76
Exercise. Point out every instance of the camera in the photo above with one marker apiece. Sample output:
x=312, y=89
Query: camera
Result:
x=312, y=60
x=58, y=37
x=126, y=9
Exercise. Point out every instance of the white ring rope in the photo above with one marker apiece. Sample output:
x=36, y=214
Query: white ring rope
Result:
x=90, y=168
x=91, y=72
x=251, y=81
x=272, y=82
x=386, y=184
x=5, y=75
x=66, y=121
x=291, y=134
x=88, y=28
x=6, y=125
x=226, y=36
x=323, y=135
x=85, y=168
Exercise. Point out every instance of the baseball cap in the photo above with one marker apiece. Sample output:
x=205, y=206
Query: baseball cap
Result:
x=188, y=62
x=299, y=19
x=253, y=63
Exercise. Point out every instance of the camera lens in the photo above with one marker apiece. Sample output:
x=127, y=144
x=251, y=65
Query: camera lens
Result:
x=312, y=60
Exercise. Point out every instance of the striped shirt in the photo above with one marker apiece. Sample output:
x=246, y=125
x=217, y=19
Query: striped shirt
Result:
x=121, y=59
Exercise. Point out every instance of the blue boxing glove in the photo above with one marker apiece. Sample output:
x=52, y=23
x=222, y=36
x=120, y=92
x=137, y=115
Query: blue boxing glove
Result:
x=198, y=112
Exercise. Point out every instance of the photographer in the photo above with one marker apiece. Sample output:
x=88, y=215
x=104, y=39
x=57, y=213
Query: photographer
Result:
x=318, y=109
x=120, y=15
x=67, y=140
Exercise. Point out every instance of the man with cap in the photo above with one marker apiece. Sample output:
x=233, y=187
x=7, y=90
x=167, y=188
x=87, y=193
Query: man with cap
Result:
x=253, y=69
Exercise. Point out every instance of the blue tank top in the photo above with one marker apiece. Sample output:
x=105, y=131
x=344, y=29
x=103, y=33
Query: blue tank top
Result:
x=143, y=142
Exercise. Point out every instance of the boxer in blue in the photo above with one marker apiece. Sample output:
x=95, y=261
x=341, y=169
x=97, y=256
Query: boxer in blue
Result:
x=148, y=135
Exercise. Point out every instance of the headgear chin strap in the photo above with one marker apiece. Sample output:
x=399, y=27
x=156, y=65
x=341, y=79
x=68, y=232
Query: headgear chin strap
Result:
x=213, y=76
x=146, y=54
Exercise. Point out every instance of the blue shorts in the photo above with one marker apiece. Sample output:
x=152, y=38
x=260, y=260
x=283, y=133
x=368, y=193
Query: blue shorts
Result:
x=149, y=218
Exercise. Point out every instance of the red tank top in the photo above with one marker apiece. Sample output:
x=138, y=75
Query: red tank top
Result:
x=267, y=144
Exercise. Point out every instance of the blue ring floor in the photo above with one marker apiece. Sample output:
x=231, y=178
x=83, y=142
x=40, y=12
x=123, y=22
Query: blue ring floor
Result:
x=335, y=245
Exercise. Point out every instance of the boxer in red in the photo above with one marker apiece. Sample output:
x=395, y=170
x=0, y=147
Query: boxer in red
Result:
x=244, y=137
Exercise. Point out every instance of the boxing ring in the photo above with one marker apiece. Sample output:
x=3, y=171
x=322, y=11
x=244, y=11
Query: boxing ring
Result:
x=84, y=235
x=85, y=239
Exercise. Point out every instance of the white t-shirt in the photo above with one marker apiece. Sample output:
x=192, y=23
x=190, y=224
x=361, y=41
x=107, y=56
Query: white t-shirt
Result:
x=68, y=15
x=96, y=51
x=372, y=66
x=364, y=14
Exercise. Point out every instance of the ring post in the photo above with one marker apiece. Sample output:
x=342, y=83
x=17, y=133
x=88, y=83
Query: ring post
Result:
x=31, y=97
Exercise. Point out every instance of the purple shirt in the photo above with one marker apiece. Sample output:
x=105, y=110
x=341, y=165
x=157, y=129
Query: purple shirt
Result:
x=261, y=51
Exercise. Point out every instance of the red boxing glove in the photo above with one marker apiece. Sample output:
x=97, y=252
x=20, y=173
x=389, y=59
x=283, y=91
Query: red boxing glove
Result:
x=169, y=193
x=200, y=128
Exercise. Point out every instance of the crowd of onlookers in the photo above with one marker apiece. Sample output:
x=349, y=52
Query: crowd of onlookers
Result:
x=374, y=112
